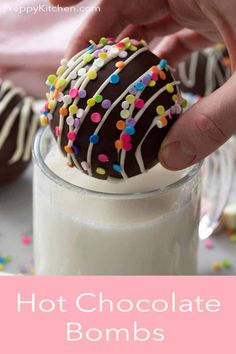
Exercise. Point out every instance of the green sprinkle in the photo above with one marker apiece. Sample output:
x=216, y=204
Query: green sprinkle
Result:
x=226, y=263
x=184, y=103
x=87, y=58
x=98, y=98
x=51, y=79
x=61, y=82
x=103, y=41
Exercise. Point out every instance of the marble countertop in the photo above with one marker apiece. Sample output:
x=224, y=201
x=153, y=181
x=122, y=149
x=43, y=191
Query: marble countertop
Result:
x=16, y=221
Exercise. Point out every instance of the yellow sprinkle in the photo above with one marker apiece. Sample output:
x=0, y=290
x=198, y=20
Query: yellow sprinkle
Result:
x=170, y=88
x=91, y=75
x=60, y=70
x=124, y=113
x=133, y=48
x=102, y=55
x=51, y=104
x=130, y=98
x=1, y=266
x=175, y=98
x=160, y=110
x=100, y=171
x=91, y=102
x=152, y=83
x=216, y=266
x=73, y=109
x=43, y=121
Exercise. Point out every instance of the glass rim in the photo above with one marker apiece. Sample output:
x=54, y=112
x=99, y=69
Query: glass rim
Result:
x=39, y=161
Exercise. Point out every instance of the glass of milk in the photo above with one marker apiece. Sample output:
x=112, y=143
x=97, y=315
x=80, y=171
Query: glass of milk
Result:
x=146, y=225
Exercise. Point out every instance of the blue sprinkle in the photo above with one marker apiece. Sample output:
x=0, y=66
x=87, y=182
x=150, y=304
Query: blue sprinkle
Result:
x=2, y=260
x=139, y=86
x=163, y=63
x=130, y=130
x=117, y=168
x=90, y=47
x=114, y=79
x=94, y=139
x=52, y=87
x=75, y=150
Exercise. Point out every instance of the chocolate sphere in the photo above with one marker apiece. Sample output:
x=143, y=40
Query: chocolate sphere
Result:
x=205, y=71
x=18, y=125
x=111, y=106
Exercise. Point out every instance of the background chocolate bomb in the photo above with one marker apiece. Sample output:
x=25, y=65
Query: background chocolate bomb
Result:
x=18, y=124
x=111, y=106
x=205, y=71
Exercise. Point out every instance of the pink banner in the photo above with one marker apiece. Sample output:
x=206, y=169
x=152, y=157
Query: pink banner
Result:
x=165, y=315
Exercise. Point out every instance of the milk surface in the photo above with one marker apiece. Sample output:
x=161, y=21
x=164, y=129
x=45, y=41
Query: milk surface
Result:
x=79, y=232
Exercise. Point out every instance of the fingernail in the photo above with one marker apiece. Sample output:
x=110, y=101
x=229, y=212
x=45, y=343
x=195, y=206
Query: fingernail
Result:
x=177, y=156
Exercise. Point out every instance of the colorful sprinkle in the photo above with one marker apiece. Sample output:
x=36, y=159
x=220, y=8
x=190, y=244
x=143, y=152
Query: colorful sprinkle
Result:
x=125, y=138
x=170, y=88
x=51, y=79
x=96, y=117
x=100, y=171
x=130, y=98
x=114, y=79
x=84, y=165
x=106, y=104
x=87, y=58
x=117, y=168
x=125, y=105
x=91, y=102
x=160, y=110
x=61, y=70
x=61, y=82
x=139, y=86
x=98, y=98
x=123, y=54
x=216, y=266
x=80, y=113
x=119, y=144
x=70, y=120
x=152, y=83
x=124, y=113
x=120, y=125
x=128, y=146
x=57, y=131
x=139, y=103
x=103, y=41
x=26, y=240
x=73, y=109
x=75, y=150
x=162, y=75
x=162, y=122
x=102, y=55
x=154, y=76
x=130, y=122
x=226, y=263
x=146, y=79
x=132, y=90
x=92, y=75
x=94, y=139
x=120, y=64
x=68, y=149
x=74, y=92
x=82, y=93
x=71, y=136
x=67, y=100
x=130, y=130
x=103, y=158
x=163, y=63
x=233, y=238
x=43, y=121
x=208, y=244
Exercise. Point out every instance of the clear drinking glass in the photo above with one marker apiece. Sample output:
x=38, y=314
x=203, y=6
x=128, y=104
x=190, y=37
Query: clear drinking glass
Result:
x=82, y=232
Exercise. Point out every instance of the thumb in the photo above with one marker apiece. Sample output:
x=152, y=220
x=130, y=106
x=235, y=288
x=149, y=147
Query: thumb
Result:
x=202, y=129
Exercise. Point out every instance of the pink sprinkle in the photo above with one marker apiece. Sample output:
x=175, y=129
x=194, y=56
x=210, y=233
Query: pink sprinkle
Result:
x=139, y=103
x=208, y=244
x=74, y=93
x=125, y=138
x=127, y=146
x=154, y=76
x=26, y=240
x=170, y=115
x=71, y=136
x=96, y=117
x=57, y=131
x=46, y=106
x=103, y=158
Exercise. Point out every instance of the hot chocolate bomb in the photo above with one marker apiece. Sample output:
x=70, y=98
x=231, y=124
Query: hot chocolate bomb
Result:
x=18, y=124
x=111, y=106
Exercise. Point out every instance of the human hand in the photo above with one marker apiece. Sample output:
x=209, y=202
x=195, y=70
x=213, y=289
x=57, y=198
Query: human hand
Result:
x=187, y=26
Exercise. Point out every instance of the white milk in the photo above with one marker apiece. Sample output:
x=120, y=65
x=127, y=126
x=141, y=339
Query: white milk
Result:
x=79, y=232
